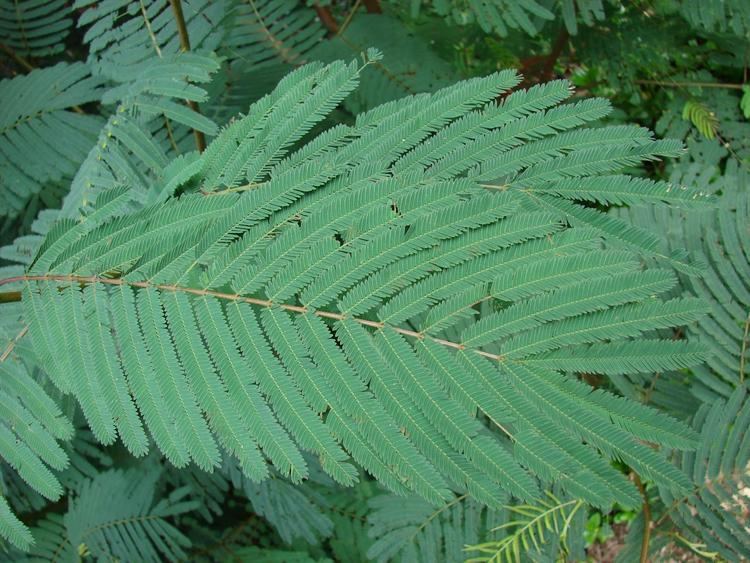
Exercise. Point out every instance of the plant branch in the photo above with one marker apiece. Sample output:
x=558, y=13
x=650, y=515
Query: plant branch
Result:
x=673, y=84
x=10, y=297
x=86, y=280
x=549, y=64
x=373, y=7
x=349, y=17
x=327, y=19
x=225, y=542
x=286, y=54
x=181, y=27
x=170, y=135
x=12, y=344
x=546, y=62
x=200, y=139
x=16, y=57
x=437, y=513
x=147, y=22
x=646, y=519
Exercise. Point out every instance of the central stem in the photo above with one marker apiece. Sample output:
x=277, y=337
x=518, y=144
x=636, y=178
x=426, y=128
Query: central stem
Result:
x=86, y=280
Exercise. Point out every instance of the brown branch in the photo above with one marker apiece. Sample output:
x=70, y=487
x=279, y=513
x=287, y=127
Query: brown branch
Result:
x=16, y=57
x=200, y=139
x=327, y=19
x=373, y=6
x=531, y=61
x=181, y=27
x=546, y=62
x=646, y=519
x=85, y=280
x=557, y=49
x=674, y=84
x=10, y=297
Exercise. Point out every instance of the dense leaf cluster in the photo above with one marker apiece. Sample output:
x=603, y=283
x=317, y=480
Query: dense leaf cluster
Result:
x=301, y=281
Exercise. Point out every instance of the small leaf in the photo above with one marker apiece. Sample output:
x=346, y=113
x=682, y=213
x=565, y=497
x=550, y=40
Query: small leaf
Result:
x=702, y=117
x=745, y=101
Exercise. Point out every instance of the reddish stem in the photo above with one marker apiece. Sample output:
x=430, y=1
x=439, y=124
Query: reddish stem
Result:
x=327, y=19
x=373, y=6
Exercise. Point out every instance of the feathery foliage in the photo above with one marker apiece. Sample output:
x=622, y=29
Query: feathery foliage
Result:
x=37, y=112
x=33, y=27
x=412, y=530
x=394, y=76
x=380, y=313
x=715, y=513
x=173, y=288
x=718, y=238
x=532, y=527
x=727, y=15
x=501, y=16
x=114, y=516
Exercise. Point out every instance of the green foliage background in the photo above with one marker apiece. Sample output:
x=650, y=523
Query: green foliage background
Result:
x=351, y=280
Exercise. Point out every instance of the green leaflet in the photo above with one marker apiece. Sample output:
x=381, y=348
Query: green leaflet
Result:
x=12, y=528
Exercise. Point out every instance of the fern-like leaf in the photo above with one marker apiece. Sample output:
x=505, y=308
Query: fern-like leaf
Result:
x=115, y=516
x=35, y=28
x=529, y=530
x=255, y=293
x=38, y=110
x=714, y=513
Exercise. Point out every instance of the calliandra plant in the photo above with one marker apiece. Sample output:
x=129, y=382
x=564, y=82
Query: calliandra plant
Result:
x=354, y=316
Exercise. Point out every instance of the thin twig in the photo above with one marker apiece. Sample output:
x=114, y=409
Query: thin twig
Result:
x=86, y=280
x=327, y=19
x=646, y=519
x=744, y=349
x=373, y=7
x=286, y=54
x=675, y=84
x=437, y=513
x=650, y=389
x=242, y=188
x=12, y=343
x=349, y=17
x=154, y=42
x=225, y=542
x=171, y=135
x=16, y=57
x=200, y=139
x=549, y=64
